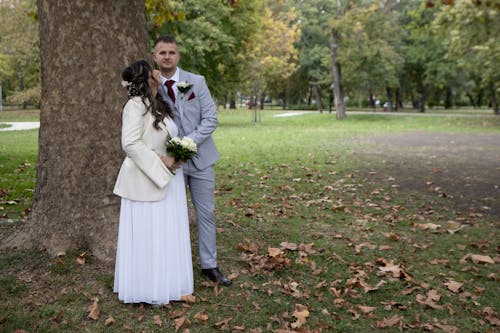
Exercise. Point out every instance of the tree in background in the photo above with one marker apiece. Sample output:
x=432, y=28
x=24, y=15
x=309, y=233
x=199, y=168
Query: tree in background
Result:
x=471, y=36
x=212, y=37
x=19, y=52
x=272, y=56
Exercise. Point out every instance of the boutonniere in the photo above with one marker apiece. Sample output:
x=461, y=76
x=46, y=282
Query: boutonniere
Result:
x=184, y=87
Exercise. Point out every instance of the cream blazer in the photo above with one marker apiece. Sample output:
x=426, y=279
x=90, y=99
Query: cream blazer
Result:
x=142, y=176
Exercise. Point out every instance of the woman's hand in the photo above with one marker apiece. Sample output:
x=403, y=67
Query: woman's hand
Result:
x=170, y=163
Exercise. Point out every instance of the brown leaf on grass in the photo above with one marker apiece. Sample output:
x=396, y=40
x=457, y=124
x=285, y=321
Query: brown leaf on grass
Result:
x=301, y=313
x=188, y=298
x=94, y=312
x=201, y=316
x=289, y=246
x=81, y=258
x=180, y=322
x=109, y=321
x=447, y=328
x=355, y=314
x=477, y=259
x=491, y=316
x=395, y=271
x=430, y=299
x=390, y=322
x=366, y=309
x=427, y=226
x=176, y=314
x=239, y=327
x=453, y=226
x=224, y=323
x=454, y=286
x=157, y=320
x=392, y=235
x=274, y=252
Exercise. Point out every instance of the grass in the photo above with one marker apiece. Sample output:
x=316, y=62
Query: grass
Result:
x=300, y=180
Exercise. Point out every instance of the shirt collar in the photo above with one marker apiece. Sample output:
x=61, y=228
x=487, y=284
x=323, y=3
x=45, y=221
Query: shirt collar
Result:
x=174, y=77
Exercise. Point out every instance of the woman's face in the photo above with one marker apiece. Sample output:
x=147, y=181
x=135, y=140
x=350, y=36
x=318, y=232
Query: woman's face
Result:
x=153, y=83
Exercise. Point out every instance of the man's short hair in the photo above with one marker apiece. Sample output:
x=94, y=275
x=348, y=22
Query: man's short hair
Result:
x=165, y=39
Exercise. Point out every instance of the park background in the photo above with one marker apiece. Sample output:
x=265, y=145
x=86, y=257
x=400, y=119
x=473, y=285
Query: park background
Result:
x=386, y=220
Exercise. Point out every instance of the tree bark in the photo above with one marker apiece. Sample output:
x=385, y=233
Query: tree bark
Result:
x=337, y=81
x=423, y=98
x=493, y=98
x=84, y=45
x=372, y=100
x=389, y=99
x=317, y=96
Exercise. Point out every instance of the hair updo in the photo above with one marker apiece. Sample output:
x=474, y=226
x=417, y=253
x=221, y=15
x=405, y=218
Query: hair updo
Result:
x=136, y=77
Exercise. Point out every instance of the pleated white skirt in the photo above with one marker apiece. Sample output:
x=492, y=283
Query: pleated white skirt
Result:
x=153, y=257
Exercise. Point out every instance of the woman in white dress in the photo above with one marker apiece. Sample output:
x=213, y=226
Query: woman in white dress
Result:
x=153, y=257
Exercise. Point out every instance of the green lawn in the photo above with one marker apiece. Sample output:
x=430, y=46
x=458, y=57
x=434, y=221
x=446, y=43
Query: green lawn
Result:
x=312, y=242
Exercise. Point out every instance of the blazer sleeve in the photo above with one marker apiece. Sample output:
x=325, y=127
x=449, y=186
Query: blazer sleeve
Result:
x=208, y=114
x=135, y=147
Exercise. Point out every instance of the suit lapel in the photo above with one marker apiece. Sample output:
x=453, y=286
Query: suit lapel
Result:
x=181, y=98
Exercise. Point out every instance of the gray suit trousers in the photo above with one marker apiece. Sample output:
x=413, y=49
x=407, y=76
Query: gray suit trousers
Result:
x=201, y=184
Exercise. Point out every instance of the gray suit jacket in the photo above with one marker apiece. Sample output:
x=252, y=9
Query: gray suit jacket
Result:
x=196, y=117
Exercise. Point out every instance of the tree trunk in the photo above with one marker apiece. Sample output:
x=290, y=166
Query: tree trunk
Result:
x=232, y=101
x=283, y=100
x=84, y=47
x=423, y=97
x=399, y=104
x=317, y=96
x=262, y=100
x=389, y=99
x=337, y=81
x=448, y=99
x=372, y=101
x=493, y=98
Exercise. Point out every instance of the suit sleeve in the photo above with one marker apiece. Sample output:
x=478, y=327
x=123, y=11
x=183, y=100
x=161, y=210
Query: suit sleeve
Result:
x=135, y=148
x=208, y=110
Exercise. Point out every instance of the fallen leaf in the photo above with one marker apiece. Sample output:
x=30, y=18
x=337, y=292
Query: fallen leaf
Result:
x=454, y=286
x=182, y=321
x=201, y=316
x=390, y=322
x=274, y=252
x=188, y=298
x=94, y=312
x=301, y=313
x=157, y=320
x=109, y=321
x=289, y=246
x=427, y=226
x=477, y=259
x=366, y=309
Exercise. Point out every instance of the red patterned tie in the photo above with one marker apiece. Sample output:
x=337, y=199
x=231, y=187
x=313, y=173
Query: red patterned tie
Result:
x=170, y=91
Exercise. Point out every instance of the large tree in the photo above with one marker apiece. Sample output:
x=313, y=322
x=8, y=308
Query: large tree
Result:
x=84, y=47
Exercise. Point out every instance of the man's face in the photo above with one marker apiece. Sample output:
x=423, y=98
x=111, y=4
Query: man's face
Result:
x=166, y=55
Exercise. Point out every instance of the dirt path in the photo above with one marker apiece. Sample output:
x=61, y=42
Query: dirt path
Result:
x=463, y=167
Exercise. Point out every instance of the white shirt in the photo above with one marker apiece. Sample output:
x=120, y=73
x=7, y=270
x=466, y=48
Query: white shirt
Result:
x=174, y=77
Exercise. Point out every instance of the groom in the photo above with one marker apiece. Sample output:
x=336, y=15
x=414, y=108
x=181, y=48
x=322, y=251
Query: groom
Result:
x=196, y=117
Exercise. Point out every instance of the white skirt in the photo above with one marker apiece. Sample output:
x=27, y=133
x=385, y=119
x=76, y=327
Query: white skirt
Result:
x=153, y=257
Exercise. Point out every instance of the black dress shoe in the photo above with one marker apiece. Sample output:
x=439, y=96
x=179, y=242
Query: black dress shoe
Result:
x=214, y=275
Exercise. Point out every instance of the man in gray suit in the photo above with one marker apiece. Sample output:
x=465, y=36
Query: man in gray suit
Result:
x=196, y=117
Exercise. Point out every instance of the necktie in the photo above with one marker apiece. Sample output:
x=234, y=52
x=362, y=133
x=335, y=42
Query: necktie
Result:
x=170, y=91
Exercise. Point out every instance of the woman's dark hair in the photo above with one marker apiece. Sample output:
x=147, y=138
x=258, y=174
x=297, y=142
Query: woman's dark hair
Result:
x=136, y=78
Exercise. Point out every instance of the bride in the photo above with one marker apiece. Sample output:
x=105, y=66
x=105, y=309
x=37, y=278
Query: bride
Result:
x=153, y=257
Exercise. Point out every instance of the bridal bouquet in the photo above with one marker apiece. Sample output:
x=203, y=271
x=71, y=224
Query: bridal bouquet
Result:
x=181, y=149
